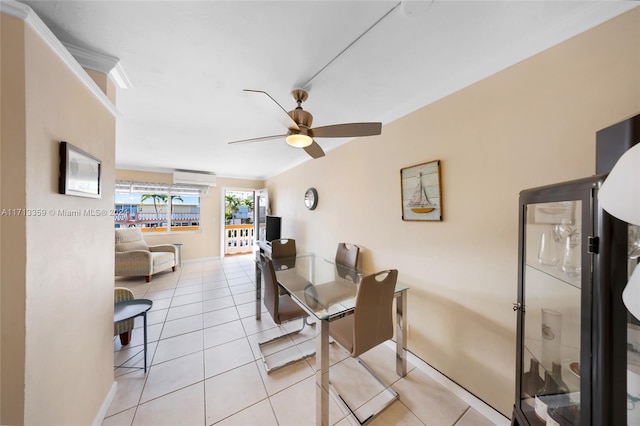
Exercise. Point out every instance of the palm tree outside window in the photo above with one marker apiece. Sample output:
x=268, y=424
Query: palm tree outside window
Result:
x=166, y=210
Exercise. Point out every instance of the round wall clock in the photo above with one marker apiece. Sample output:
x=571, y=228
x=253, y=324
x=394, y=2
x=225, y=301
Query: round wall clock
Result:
x=311, y=198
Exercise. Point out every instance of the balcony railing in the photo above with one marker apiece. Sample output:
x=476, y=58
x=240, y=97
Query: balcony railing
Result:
x=238, y=238
x=127, y=218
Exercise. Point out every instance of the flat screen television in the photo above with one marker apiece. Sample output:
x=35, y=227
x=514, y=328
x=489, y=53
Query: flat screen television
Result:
x=273, y=228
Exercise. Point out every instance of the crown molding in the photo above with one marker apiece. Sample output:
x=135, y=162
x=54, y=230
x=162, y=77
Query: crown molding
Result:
x=90, y=59
x=120, y=77
x=100, y=62
x=15, y=9
x=25, y=13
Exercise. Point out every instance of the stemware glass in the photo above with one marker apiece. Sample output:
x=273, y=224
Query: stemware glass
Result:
x=634, y=242
x=571, y=262
x=549, y=252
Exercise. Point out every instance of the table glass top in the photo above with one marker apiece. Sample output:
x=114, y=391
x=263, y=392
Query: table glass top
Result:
x=325, y=289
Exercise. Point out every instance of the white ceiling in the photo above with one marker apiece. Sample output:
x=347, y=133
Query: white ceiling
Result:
x=188, y=62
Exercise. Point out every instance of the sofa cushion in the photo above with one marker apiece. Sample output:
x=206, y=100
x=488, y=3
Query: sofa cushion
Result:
x=130, y=239
x=162, y=260
x=160, y=257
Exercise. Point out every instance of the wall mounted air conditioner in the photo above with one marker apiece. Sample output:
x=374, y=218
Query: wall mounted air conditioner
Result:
x=194, y=178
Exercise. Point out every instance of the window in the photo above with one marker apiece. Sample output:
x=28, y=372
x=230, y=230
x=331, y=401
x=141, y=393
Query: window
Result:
x=155, y=207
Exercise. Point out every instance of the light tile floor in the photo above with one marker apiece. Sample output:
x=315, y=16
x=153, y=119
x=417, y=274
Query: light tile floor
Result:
x=205, y=368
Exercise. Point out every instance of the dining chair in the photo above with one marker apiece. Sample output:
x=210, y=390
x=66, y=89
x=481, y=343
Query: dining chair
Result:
x=284, y=247
x=347, y=255
x=371, y=323
x=282, y=309
x=123, y=328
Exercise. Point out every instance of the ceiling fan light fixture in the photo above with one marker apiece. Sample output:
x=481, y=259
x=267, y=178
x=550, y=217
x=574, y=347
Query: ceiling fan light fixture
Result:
x=299, y=141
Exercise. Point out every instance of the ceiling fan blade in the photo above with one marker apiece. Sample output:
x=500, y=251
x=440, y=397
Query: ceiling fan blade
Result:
x=314, y=150
x=279, y=114
x=263, y=138
x=347, y=130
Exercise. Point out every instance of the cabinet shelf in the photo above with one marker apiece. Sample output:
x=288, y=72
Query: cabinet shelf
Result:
x=557, y=273
x=533, y=349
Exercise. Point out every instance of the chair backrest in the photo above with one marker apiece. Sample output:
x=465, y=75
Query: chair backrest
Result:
x=128, y=239
x=373, y=317
x=271, y=294
x=122, y=294
x=347, y=261
x=284, y=247
x=347, y=255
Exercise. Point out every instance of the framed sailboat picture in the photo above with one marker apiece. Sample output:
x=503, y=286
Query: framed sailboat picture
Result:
x=421, y=193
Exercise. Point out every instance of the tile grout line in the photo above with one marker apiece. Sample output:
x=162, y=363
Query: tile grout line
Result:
x=135, y=413
x=204, y=367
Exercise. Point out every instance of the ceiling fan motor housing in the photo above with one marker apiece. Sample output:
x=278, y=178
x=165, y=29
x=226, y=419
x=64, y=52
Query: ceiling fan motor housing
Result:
x=302, y=118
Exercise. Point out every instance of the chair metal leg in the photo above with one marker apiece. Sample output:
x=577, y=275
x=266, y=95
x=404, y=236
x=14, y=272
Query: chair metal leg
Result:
x=270, y=368
x=394, y=396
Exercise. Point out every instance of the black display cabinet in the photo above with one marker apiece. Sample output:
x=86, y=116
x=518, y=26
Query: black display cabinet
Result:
x=576, y=342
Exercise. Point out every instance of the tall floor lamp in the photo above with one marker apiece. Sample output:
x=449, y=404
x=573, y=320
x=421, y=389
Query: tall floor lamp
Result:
x=620, y=197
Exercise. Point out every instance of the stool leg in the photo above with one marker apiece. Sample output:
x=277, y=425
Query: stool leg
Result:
x=144, y=316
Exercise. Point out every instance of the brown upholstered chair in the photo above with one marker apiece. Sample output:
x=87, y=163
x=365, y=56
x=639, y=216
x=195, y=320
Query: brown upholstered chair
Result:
x=282, y=309
x=123, y=328
x=372, y=321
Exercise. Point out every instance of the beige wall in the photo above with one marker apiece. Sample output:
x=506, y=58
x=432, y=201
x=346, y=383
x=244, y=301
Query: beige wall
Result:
x=104, y=83
x=529, y=125
x=206, y=242
x=60, y=268
x=12, y=237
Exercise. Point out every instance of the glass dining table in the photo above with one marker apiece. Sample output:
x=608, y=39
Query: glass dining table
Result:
x=328, y=292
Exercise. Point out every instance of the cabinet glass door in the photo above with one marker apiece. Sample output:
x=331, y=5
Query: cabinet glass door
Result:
x=633, y=337
x=552, y=275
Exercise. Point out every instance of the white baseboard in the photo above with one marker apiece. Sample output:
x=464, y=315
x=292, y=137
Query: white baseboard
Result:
x=476, y=403
x=105, y=405
x=201, y=259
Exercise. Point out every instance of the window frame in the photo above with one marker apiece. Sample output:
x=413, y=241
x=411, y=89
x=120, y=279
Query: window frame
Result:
x=168, y=223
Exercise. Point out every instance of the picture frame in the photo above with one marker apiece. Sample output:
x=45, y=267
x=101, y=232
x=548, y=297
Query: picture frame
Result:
x=80, y=172
x=421, y=192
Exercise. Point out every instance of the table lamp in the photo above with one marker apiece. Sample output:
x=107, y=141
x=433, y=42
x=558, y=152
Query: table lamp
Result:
x=619, y=195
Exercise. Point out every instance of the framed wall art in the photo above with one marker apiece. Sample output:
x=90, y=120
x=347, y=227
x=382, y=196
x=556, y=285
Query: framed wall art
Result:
x=80, y=172
x=421, y=192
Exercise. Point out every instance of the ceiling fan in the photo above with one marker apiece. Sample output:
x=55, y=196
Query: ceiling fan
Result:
x=300, y=134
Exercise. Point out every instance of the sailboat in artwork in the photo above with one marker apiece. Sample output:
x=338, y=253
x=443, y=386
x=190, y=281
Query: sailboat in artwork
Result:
x=420, y=203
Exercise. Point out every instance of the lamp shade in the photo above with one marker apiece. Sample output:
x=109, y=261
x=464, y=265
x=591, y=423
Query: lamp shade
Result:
x=620, y=192
x=619, y=195
x=631, y=293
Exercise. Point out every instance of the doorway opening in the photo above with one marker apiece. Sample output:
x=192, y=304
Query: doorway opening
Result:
x=238, y=222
